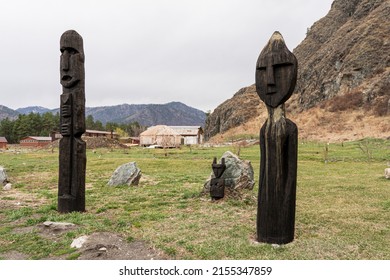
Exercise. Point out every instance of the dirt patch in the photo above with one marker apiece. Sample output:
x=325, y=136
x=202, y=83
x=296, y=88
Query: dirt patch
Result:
x=14, y=255
x=15, y=199
x=110, y=246
x=54, y=230
x=98, y=246
x=148, y=180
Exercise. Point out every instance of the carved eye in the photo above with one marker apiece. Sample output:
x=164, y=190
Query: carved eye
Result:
x=283, y=64
x=261, y=68
x=70, y=51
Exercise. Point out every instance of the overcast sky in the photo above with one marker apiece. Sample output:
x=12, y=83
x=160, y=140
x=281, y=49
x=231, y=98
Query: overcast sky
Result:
x=199, y=52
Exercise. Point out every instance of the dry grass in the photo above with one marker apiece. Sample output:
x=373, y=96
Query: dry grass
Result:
x=319, y=124
x=342, y=205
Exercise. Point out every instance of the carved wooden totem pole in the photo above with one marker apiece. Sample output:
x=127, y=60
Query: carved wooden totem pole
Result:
x=217, y=184
x=72, y=159
x=276, y=75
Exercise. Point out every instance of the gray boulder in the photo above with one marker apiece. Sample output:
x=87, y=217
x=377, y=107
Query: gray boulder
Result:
x=3, y=176
x=126, y=174
x=238, y=175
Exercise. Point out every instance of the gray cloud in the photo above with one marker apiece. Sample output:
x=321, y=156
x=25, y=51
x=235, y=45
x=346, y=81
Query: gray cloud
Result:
x=196, y=52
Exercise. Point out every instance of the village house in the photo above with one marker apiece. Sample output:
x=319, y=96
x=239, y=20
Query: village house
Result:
x=99, y=133
x=171, y=136
x=192, y=135
x=130, y=141
x=160, y=136
x=35, y=141
x=3, y=142
x=90, y=133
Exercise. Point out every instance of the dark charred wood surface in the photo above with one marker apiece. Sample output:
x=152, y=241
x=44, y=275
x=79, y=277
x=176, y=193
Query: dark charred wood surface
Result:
x=277, y=185
x=72, y=157
x=276, y=74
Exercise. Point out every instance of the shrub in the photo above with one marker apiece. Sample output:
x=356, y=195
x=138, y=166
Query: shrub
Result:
x=380, y=108
x=349, y=101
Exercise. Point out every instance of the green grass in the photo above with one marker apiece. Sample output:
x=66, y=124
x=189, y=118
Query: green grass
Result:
x=343, y=204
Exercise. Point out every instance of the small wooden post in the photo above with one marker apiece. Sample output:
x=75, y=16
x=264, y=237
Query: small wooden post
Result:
x=217, y=184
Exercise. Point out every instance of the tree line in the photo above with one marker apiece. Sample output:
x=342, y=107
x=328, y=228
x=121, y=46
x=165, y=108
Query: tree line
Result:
x=35, y=124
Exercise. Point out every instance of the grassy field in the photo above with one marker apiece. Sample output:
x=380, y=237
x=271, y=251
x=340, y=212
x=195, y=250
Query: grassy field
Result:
x=343, y=204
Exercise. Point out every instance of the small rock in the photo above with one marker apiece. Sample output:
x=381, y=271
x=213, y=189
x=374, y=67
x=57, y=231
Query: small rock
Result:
x=387, y=173
x=126, y=174
x=7, y=187
x=58, y=225
x=103, y=249
x=79, y=242
x=3, y=176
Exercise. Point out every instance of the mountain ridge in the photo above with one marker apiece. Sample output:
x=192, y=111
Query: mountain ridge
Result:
x=172, y=113
x=6, y=112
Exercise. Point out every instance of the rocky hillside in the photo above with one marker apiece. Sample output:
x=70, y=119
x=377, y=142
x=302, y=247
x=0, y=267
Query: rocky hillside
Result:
x=343, y=87
x=242, y=107
x=347, y=52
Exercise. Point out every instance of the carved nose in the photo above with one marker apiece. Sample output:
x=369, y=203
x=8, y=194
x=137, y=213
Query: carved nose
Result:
x=65, y=61
x=270, y=76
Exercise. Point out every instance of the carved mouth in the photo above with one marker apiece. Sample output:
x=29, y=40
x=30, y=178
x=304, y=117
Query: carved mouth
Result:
x=271, y=89
x=66, y=78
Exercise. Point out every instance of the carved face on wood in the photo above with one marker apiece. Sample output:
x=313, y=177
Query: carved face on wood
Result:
x=276, y=72
x=72, y=59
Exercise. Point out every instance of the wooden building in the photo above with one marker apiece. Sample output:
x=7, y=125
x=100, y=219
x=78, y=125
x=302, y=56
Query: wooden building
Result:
x=99, y=133
x=35, y=141
x=191, y=135
x=130, y=141
x=3, y=142
x=161, y=136
x=89, y=133
x=171, y=136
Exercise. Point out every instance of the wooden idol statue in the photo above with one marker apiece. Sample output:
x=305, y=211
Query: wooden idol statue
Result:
x=276, y=75
x=72, y=159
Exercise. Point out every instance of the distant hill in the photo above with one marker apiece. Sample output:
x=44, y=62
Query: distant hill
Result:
x=32, y=109
x=173, y=113
x=6, y=112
